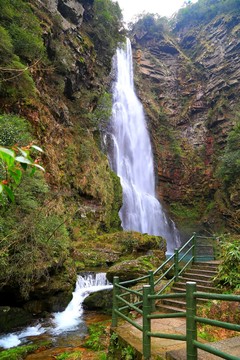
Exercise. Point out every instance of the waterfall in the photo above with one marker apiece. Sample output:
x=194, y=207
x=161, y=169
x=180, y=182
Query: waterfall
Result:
x=71, y=316
x=132, y=159
x=67, y=320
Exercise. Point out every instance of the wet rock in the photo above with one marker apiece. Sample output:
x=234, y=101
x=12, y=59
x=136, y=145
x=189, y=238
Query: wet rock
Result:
x=99, y=300
x=132, y=269
x=12, y=317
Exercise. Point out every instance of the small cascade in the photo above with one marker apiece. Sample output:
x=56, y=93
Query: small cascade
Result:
x=69, y=319
x=65, y=321
x=132, y=159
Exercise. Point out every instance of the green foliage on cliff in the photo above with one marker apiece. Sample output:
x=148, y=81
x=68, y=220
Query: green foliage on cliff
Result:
x=151, y=23
x=34, y=238
x=14, y=130
x=204, y=10
x=106, y=24
x=21, y=45
x=23, y=28
x=229, y=170
x=14, y=160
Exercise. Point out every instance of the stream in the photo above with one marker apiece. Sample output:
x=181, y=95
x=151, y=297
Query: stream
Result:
x=63, y=326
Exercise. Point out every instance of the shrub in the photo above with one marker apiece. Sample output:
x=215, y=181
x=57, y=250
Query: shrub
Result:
x=14, y=130
x=23, y=26
x=6, y=46
x=229, y=270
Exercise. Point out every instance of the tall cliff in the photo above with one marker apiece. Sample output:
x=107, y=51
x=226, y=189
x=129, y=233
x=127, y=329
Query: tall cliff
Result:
x=54, y=91
x=188, y=77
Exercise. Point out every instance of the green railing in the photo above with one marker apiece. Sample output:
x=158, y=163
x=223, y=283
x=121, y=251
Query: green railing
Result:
x=191, y=295
x=142, y=300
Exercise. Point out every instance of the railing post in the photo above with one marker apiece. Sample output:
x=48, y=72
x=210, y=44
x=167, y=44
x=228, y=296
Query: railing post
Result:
x=176, y=264
x=151, y=283
x=190, y=320
x=146, y=322
x=194, y=254
x=115, y=301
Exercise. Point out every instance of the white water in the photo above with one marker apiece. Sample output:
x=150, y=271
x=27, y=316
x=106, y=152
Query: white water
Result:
x=132, y=159
x=67, y=320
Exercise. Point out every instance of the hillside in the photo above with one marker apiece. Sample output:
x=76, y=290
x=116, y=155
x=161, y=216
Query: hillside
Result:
x=188, y=75
x=55, y=92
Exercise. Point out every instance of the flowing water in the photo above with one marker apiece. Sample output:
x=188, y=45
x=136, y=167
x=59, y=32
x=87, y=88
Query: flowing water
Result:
x=67, y=321
x=132, y=159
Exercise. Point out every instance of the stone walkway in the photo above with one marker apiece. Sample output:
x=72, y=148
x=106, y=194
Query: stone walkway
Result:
x=173, y=349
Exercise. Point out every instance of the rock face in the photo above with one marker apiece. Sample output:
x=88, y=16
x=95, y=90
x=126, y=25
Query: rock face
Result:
x=71, y=11
x=69, y=104
x=189, y=82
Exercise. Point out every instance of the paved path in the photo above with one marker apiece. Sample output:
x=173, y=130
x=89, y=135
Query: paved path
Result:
x=173, y=349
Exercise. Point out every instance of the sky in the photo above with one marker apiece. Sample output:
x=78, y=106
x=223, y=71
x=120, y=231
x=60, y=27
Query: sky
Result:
x=162, y=7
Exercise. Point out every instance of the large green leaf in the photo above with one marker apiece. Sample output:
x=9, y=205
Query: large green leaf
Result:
x=7, y=155
x=16, y=175
x=9, y=193
x=7, y=151
x=39, y=167
x=23, y=160
x=23, y=152
x=37, y=148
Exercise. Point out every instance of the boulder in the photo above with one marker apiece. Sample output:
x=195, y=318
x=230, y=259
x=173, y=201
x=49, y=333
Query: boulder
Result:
x=132, y=269
x=99, y=300
x=12, y=317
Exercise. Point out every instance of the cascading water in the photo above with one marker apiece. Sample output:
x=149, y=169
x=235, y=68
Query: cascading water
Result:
x=132, y=159
x=67, y=320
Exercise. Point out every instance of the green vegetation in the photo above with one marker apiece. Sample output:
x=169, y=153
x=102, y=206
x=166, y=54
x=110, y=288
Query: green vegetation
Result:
x=21, y=46
x=20, y=352
x=34, y=237
x=23, y=28
x=204, y=10
x=227, y=311
x=97, y=337
x=76, y=355
x=229, y=170
x=152, y=23
x=229, y=269
x=119, y=350
x=106, y=24
x=14, y=131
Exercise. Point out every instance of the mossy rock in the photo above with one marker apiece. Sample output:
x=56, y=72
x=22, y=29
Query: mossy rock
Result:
x=132, y=269
x=12, y=317
x=99, y=300
x=108, y=249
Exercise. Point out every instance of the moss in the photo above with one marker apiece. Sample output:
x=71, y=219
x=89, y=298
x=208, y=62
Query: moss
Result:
x=107, y=249
x=20, y=352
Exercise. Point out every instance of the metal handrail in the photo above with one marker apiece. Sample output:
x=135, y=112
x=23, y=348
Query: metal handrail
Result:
x=148, y=295
x=192, y=320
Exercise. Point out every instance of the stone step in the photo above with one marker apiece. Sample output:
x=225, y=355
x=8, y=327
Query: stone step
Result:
x=181, y=287
x=202, y=271
x=177, y=303
x=198, y=275
x=168, y=309
x=207, y=265
x=198, y=281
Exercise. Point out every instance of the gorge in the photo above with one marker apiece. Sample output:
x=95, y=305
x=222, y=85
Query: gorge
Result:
x=55, y=92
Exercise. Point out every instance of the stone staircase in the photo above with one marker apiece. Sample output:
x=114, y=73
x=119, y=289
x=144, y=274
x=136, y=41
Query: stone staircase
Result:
x=202, y=273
